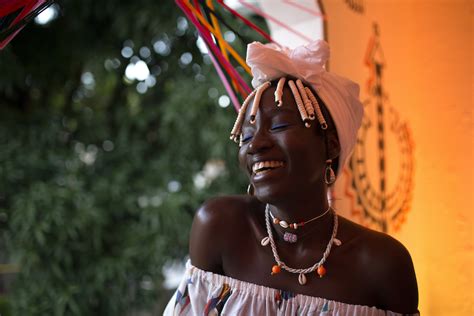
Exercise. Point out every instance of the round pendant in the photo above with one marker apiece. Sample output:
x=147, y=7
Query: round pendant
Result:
x=289, y=237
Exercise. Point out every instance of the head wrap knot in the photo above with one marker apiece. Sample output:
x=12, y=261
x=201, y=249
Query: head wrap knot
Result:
x=340, y=95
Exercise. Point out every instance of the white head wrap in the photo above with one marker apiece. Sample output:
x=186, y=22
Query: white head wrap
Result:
x=340, y=95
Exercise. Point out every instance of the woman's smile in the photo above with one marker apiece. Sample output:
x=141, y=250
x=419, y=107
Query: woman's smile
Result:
x=265, y=170
x=262, y=166
x=279, y=153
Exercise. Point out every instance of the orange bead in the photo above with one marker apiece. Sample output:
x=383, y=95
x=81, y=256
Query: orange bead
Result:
x=321, y=271
x=276, y=269
x=276, y=221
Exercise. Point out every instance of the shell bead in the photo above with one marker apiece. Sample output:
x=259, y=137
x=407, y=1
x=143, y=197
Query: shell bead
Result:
x=265, y=241
x=302, y=279
x=337, y=242
x=283, y=224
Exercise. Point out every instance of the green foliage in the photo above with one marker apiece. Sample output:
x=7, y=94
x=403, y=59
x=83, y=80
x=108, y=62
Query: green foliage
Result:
x=97, y=181
x=5, y=308
x=79, y=233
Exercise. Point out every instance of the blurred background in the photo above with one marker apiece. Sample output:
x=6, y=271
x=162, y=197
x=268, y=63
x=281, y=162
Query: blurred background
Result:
x=114, y=128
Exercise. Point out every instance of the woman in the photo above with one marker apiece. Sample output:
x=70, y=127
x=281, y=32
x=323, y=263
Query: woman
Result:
x=282, y=250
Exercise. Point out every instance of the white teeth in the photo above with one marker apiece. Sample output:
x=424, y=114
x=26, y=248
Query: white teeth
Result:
x=266, y=164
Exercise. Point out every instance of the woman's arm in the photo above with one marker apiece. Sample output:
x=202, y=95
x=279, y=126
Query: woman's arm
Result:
x=395, y=277
x=207, y=236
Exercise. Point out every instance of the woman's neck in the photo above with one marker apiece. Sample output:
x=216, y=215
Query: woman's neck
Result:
x=302, y=204
x=302, y=208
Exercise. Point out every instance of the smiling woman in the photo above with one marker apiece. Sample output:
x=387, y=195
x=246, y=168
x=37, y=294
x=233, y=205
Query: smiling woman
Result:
x=282, y=249
x=277, y=146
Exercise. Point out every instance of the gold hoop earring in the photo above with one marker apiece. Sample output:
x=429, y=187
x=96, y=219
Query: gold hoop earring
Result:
x=329, y=176
x=250, y=189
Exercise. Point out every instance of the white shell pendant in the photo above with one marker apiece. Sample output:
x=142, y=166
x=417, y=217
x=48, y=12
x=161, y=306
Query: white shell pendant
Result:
x=337, y=242
x=283, y=224
x=302, y=279
x=265, y=241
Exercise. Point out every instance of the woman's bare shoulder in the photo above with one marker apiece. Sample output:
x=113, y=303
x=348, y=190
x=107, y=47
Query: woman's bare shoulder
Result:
x=389, y=267
x=214, y=224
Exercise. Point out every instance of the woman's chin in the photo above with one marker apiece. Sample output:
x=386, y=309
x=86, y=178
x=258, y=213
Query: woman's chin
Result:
x=269, y=195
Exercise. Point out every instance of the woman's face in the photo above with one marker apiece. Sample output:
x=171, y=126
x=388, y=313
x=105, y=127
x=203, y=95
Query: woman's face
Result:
x=280, y=155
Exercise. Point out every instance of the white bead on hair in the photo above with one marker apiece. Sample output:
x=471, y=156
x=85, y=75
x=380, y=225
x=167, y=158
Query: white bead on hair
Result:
x=279, y=91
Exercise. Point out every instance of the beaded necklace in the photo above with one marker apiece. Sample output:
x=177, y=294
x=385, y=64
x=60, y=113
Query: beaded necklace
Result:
x=290, y=237
x=318, y=267
x=295, y=226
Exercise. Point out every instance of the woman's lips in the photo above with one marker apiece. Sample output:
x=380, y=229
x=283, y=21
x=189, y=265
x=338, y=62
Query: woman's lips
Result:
x=263, y=166
x=266, y=170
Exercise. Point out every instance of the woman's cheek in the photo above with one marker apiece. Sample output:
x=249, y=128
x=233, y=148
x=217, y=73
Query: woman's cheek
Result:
x=242, y=160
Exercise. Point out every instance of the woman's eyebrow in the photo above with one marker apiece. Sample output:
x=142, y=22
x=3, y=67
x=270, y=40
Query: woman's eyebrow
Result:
x=286, y=113
x=282, y=110
x=275, y=111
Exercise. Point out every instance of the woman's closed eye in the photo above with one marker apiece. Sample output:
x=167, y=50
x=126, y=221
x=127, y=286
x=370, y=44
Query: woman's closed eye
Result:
x=275, y=127
x=279, y=126
x=246, y=138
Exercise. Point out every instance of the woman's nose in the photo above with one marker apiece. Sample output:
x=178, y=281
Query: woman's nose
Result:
x=261, y=140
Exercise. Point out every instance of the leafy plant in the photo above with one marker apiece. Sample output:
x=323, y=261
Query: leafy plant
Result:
x=100, y=173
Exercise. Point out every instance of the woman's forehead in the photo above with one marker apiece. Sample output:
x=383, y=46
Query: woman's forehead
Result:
x=269, y=106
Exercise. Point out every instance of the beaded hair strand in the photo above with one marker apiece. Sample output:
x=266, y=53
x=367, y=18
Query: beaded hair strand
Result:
x=317, y=108
x=256, y=102
x=306, y=103
x=236, y=132
x=299, y=103
x=279, y=91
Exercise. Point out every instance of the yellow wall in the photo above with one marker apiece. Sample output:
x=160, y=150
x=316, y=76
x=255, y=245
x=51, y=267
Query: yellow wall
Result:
x=428, y=77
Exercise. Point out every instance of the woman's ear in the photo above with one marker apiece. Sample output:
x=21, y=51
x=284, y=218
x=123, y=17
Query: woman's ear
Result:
x=333, y=146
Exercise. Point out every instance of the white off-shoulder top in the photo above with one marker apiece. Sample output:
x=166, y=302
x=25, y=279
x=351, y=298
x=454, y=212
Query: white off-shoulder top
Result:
x=205, y=293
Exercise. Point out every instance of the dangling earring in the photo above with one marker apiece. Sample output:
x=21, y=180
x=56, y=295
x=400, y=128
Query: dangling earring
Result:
x=329, y=176
x=250, y=189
